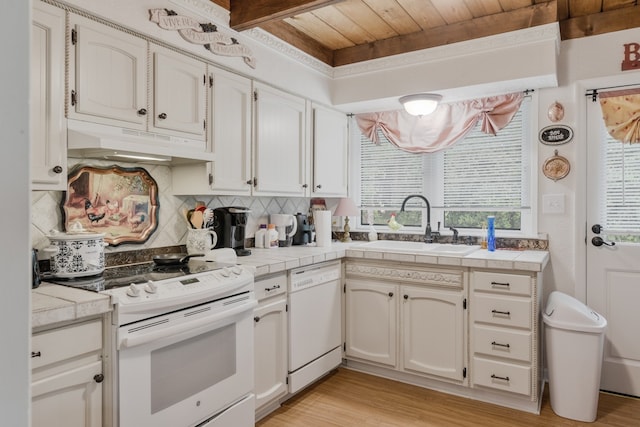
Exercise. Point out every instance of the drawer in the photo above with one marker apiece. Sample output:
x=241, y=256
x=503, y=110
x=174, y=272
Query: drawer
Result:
x=60, y=344
x=269, y=286
x=513, y=284
x=502, y=376
x=501, y=310
x=500, y=342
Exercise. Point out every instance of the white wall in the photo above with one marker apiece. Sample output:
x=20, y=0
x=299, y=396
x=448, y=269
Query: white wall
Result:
x=15, y=313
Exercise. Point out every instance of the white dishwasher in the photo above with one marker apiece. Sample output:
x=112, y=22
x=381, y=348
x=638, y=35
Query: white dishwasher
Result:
x=314, y=320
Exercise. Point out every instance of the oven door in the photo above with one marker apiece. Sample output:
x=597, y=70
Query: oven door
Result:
x=185, y=367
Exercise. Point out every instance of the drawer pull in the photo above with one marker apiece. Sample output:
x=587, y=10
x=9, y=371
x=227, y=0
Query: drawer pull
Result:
x=497, y=344
x=36, y=354
x=98, y=378
x=500, y=284
x=503, y=313
x=495, y=377
x=256, y=319
x=274, y=287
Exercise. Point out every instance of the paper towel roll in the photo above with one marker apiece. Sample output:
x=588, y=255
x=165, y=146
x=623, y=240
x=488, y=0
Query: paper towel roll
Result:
x=322, y=222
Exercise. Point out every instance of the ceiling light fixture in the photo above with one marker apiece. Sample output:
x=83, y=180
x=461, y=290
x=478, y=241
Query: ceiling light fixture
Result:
x=420, y=104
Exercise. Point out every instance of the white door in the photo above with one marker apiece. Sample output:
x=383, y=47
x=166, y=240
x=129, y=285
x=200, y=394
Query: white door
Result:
x=613, y=272
x=48, y=125
x=179, y=94
x=231, y=134
x=433, y=331
x=281, y=136
x=270, y=351
x=109, y=77
x=330, y=141
x=371, y=320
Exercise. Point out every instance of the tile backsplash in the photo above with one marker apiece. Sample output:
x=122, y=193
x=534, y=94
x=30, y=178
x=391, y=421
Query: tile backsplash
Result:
x=46, y=214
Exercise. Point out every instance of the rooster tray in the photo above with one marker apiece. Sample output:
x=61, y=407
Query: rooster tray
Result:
x=120, y=202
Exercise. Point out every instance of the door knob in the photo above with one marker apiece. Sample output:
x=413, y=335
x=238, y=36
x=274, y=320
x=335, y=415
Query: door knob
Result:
x=596, y=228
x=599, y=241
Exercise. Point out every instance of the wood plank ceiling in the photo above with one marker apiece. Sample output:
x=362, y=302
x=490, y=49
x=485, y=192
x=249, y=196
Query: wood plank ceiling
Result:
x=341, y=32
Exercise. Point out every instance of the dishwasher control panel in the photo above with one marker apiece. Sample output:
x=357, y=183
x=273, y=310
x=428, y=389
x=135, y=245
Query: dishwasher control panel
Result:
x=312, y=275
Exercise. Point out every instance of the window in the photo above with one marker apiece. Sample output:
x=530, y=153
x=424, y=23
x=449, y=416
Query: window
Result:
x=620, y=206
x=479, y=176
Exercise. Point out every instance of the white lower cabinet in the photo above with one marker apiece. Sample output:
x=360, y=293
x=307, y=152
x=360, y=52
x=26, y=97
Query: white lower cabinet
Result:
x=371, y=321
x=433, y=331
x=505, y=340
x=409, y=318
x=67, y=376
x=270, y=342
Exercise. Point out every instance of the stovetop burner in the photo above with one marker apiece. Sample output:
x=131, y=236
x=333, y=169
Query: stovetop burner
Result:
x=116, y=277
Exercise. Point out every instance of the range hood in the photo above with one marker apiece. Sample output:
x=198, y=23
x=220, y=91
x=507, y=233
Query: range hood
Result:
x=95, y=141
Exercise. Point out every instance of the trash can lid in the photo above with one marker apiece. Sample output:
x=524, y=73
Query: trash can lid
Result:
x=565, y=312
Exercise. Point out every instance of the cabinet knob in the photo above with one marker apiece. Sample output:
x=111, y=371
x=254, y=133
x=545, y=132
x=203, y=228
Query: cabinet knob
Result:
x=319, y=186
x=390, y=294
x=256, y=319
x=57, y=169
x=305, y=185
x=162, y=116
x=142, y=112
x=406, y=296
x=98, y=378
x=36, y=354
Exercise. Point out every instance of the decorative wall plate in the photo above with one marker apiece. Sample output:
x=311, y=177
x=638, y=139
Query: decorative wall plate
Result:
x=120, y=202
x=556, y=167
x=555, y=112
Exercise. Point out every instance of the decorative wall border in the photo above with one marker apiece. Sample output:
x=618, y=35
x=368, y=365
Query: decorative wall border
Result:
x=441, y=278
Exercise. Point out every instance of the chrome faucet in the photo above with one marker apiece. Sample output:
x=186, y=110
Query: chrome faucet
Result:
x=428, y=238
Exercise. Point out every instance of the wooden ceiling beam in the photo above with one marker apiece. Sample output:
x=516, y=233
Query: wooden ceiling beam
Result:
x=600, y=23
x=296, y=38
x=538, y=14
x=249, y=14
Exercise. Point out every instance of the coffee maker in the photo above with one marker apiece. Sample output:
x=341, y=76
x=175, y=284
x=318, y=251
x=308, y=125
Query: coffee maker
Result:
x=304, y=231
x=230, y=225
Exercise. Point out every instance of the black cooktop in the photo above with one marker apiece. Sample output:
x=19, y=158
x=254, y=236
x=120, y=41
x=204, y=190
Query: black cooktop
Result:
x=115, y=277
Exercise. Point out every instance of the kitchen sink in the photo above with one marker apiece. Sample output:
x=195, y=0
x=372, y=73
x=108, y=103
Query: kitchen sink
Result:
x=418, y=248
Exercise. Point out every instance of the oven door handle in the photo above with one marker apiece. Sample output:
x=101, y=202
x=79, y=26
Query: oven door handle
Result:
x=192, y=326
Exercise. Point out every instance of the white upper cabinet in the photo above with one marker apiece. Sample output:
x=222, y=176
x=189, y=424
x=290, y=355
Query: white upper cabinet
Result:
x=108, y=75
x=179, y=94
x=48, y=125
x=231, y=109
x=281, y=143
x=330, y=152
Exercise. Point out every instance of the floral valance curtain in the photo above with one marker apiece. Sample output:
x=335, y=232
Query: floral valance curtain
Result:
x=621, y=114
x=445, y=126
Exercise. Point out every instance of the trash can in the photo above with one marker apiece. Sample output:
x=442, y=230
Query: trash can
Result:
x=574, y=337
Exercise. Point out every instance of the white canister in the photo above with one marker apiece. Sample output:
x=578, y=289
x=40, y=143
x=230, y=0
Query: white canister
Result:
x=76, y=254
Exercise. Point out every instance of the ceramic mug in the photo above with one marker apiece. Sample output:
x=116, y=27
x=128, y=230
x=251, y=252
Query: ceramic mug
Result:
x=200, y=240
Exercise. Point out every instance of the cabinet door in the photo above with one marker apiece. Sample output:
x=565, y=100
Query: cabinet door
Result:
x=371, y=321
x=270, y=347
x=179, y=94
x=48, y=125
x=231, y=134
x=280, y=158
x=109, y=76
x=70, y=398
x=433, y=331
x=330, y=154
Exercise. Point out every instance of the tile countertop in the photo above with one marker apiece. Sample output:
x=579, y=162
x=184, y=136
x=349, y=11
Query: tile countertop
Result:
x=52, y=304
x=505, y=259
x=267, y=261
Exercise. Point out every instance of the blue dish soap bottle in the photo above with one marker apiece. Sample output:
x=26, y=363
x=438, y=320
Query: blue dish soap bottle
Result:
x=491, y=233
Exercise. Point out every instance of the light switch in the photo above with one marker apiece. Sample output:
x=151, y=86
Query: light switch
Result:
x=553, y=203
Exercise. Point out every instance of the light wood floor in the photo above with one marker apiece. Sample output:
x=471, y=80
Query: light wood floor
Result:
x=349, y=398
